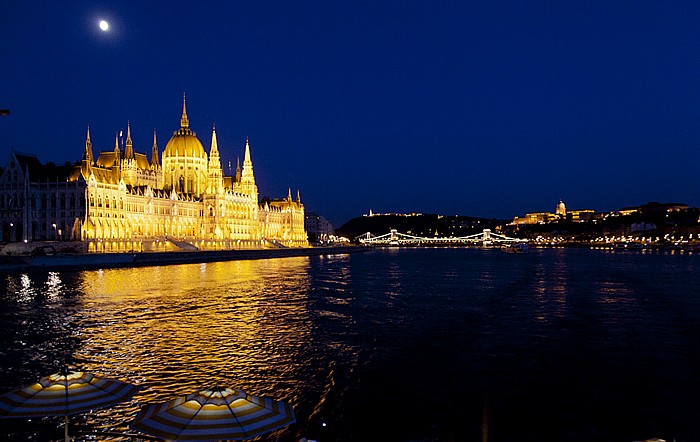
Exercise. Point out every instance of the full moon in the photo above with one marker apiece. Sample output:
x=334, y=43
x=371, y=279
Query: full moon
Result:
x=104, y=25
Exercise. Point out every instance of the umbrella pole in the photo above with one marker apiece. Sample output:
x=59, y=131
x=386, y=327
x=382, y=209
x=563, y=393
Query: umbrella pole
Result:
x=65, y=376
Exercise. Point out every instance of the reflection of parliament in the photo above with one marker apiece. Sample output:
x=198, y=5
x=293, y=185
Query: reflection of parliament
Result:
x=124, y=202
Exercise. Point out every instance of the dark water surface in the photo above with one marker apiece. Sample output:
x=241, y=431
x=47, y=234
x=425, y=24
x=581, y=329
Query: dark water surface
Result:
x=443, y=344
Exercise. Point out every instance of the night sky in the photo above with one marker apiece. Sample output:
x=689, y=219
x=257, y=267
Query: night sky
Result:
x=489, y=109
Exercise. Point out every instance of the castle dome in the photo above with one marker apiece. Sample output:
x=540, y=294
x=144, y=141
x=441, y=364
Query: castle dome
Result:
x=184, y=142
x=561, y=208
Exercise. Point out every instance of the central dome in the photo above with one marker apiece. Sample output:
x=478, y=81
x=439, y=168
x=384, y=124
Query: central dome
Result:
x=184, y=142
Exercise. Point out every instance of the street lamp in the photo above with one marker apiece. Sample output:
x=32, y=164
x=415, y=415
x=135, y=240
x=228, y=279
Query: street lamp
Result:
x=54, y=230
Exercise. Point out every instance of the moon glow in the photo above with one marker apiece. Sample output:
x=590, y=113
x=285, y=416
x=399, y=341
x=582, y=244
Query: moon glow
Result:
x=104, y=25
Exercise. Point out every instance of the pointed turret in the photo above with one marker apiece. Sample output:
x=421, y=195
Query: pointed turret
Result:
x=87, y=162
x=246, y=156
x=129, y=152
x=155, y=162
x=247, y=163
x=289, y=194
x=87, y=155
x=214, y=151
x=247, y=177
x=298, y=197
x=238, y=170
x=184, y=122
x=214, y=167
x=117, y=152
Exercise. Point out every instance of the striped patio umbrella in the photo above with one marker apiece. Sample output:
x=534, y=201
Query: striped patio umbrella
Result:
x=211, y=415
x=65, y=394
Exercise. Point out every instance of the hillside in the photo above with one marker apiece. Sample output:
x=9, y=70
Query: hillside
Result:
x=417, y=224
x=649, y=220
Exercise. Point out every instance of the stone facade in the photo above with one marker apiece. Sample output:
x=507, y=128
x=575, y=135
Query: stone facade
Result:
x=123, y=202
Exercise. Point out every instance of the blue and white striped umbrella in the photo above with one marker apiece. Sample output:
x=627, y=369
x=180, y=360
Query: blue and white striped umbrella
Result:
x=211, y=415
x=65, y=394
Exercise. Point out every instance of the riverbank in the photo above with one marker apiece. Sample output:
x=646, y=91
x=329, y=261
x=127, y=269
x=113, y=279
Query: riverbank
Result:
x=93, y=261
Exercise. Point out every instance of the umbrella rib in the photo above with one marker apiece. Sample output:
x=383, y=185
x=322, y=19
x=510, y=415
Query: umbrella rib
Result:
x=233, y=414
x=194, y=416
x=96, y=386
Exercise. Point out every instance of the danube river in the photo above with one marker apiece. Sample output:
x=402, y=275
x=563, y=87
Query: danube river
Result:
x=415, y=344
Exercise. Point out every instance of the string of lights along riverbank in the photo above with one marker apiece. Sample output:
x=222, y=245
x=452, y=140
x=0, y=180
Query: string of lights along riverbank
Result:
x=122, y=201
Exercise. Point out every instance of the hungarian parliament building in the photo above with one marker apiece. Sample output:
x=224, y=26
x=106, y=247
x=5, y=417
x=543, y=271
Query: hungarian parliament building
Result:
x=123, y=202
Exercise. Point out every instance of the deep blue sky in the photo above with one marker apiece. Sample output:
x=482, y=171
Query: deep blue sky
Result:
x=489, y=109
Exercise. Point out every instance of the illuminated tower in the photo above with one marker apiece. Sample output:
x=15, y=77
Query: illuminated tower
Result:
x=560, y=210
x=129, y=173
x=87, y=162
x=238, y=170
x=116, y=161
x=247, y=179
x=155, y=162
x=184, y=160
x=215, y=173
x=117, y=152
x=129, y=152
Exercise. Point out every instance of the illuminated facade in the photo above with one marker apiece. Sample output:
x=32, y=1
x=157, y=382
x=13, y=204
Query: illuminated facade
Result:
x=319, y=229
x=129, y=203
x=560, y=212
x=535, y=218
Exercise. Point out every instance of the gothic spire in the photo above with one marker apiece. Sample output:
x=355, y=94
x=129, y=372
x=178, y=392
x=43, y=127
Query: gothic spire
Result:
x=214, y=168
x=246, y=158
x=247, y=178
x=117, y=152
x=87, y=162
x=214, y=145
x=129, y=152
x=87, y=155
x=184, y=122
x=154, y=152
x=247, y=163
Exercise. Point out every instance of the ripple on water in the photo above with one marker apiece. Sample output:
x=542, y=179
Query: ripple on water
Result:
x=350, y=340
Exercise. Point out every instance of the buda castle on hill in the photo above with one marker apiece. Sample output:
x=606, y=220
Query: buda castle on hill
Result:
x=123, y=202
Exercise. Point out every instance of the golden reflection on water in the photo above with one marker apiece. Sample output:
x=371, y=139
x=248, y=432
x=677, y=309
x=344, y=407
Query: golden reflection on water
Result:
x=550, y=291
x=177, y=329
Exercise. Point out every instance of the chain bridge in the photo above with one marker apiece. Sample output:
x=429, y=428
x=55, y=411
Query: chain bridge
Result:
x=487, y=238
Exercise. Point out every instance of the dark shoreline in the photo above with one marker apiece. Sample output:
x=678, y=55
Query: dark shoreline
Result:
x=95, y=261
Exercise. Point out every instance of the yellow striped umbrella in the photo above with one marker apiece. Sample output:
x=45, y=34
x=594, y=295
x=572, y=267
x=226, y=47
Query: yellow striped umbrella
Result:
x=211, y=415
x=65, y=394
